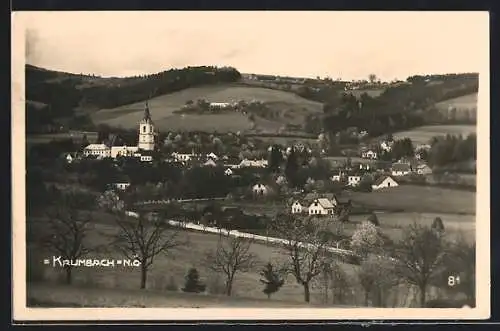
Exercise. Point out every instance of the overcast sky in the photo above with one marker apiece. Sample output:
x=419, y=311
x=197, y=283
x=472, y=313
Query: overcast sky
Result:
x=350, y=45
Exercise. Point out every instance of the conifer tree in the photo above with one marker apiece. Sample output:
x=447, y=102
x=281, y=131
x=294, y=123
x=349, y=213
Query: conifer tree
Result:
x=193, y=283
x=272, y=280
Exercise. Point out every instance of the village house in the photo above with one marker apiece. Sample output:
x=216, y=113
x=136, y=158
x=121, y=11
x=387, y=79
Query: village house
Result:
x=424, y=169
x=384, y=182
x=260, y=190
x=183, y=157
x=321, y=206
x=369, y=154
x=400, y=169
x=253, y=163
x=98, y=150
x=121, y=185
x=353, y=180
x=297, y=207
x=146, y=158
x=209, y=163
x=338, y=176
x=386, y=145
x=117, y=151
x=228, y=172
x=212, y=156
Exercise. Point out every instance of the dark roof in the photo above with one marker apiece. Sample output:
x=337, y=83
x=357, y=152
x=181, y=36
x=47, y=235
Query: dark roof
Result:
x=401, y=167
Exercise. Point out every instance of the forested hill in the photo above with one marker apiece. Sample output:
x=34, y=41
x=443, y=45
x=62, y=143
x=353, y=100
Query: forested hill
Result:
x=401, y=106
x=52, y=95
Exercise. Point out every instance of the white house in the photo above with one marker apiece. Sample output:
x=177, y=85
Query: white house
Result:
x=353, y=180
x=253, y=163
x=337, y=177
x=69, y=158
x=209, y=163
x=387, y=145
x=182, y=157
x=297, y=207
x=99, y=150
x=228, y=172
x=321, y=206
x=123, y=151
x=369, y=154
x=121, y=185
x=383, y=182
x=220, y=105
x=212, y=156
x=260, y=190
x=400, y=169
x=424, y=169
x=146, y=158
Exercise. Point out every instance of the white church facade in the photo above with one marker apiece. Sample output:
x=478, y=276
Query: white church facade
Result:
x=146, y=142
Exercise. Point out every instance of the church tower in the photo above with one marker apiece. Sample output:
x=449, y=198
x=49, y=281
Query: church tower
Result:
x=146, y=132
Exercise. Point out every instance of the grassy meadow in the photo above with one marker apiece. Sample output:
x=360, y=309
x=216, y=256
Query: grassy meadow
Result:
x=465, y=102
x=163, y=107
x=173, y=268
x=393, y=224
x=423, y=134
x=419, y=199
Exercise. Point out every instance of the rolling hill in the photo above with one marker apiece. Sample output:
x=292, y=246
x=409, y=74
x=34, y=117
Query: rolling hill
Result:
x=462, y=103
x=288, y=108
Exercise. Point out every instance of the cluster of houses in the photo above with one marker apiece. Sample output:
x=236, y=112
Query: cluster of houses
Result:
x=319, y=204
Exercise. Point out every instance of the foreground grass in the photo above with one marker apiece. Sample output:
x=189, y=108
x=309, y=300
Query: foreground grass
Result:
x=169, y=270
x=50, y=295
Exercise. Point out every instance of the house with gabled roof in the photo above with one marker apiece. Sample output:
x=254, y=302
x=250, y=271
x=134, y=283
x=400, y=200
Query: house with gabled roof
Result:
x=321, y=206
x=400, y=169
x=384, y=182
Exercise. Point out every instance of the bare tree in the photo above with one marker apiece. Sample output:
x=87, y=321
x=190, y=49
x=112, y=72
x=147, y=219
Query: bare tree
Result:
x=419, y=257
x=306, y=246
x=144, y=239
x=231, y=256
x=67, y=229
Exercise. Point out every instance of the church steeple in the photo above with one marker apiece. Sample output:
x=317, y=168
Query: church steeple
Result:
x=147, y=114
x=146, y=131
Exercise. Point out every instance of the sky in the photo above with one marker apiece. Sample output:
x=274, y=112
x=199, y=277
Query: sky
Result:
x=346, y=45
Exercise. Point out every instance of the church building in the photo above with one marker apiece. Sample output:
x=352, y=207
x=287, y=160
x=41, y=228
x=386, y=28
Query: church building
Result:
x=146, y=142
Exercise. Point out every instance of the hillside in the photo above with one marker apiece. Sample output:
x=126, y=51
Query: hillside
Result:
x=286, y=108
x=71, y=97
x=73, y=101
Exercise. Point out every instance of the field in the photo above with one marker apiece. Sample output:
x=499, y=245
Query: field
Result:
x=46, y=138
x=419, y=199
x=423, y=134
x=466, y=102
x=176, y=264
x=392, y=224
x=162, y=109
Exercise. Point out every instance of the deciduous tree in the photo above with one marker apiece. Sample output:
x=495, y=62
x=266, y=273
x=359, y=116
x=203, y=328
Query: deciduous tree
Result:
x=231, y=256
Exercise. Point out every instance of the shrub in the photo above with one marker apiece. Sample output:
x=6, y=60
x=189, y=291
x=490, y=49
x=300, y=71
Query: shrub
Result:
x=193, y=283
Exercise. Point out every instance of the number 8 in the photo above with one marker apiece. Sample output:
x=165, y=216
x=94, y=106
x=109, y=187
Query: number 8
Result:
x=451, y=281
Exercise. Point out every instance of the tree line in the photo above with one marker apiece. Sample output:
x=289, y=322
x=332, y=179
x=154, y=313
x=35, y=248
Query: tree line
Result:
x=62, y=93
